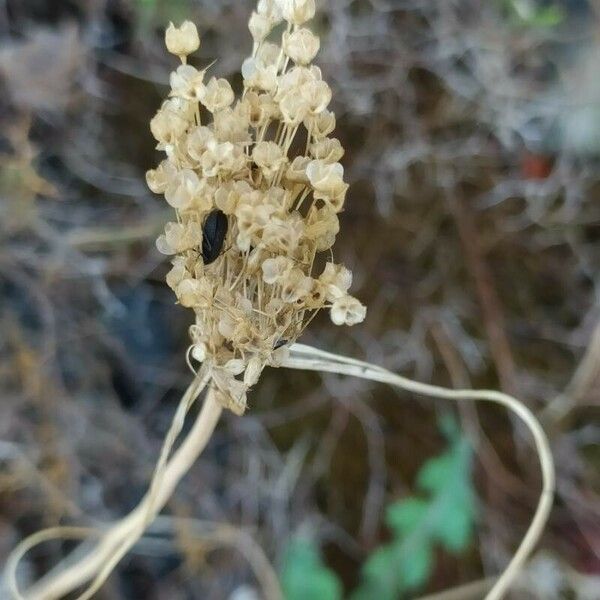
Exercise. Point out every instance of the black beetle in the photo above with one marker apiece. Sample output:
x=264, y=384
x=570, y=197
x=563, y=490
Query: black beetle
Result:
x=280, y=344
x=213, y=235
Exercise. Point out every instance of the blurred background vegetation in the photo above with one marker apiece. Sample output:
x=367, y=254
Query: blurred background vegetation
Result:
x=472, y=132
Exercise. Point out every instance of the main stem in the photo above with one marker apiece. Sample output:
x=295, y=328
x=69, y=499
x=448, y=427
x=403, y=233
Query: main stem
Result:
x=125, y=533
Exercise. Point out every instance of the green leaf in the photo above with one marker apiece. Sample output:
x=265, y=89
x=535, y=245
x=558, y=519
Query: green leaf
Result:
x=550, y=16
x=379, y=564
x=530, y=13
x=395, y=568
x=378, y=576
x=435, y=473
x=444, y=514
x=455, y=531
x=304, y=575
x=448, y=478
x=403, y=516
x=148, y=6
x=164, y=10
x=416, y=564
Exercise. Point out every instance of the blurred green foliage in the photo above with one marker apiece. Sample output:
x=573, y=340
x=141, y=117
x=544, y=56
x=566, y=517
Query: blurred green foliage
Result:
x=163, y=10
x=533, y=13
x=304, y=575
x=442, y=513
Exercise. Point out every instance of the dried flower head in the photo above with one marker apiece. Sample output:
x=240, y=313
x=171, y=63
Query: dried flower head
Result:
x=183, y=40
x=252, y=212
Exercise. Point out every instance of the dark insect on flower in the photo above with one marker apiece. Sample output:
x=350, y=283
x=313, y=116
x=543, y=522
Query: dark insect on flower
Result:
x=213, y=235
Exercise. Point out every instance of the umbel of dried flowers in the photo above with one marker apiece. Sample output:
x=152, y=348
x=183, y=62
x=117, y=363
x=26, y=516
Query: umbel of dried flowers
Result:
x=257, y=186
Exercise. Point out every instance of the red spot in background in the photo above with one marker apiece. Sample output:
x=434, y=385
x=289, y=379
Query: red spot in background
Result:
x=536, y=166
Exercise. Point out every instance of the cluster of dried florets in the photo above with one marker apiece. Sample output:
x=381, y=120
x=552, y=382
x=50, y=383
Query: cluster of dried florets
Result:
x=257, y=188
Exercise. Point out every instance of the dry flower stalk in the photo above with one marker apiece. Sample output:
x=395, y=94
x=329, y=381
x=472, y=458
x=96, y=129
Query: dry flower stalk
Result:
x=257, y=187
x=312, y=359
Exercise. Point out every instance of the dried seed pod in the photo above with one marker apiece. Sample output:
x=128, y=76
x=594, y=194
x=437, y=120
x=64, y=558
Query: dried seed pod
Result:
x=182, y=40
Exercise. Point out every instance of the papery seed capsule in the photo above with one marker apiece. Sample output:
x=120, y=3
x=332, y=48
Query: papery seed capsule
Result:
x=213, y=235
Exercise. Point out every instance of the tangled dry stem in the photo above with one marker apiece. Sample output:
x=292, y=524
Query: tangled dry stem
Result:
x=305, y=357
x=121, y=537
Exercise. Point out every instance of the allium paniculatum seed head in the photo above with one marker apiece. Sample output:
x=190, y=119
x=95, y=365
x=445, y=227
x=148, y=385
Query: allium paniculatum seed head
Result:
x=257, y=187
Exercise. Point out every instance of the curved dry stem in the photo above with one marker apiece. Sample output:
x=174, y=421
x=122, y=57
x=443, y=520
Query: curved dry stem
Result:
x=98, y=563
x=120, y=537
x=312, y=359
x=220, y=533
